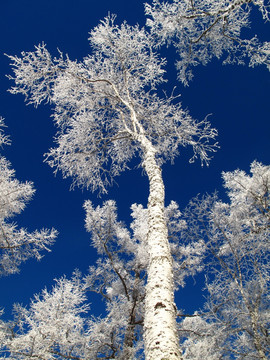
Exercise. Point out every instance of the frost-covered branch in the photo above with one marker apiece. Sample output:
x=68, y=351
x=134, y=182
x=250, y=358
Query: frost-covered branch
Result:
x=201, y=30
x=54, y=327
x=17, y=245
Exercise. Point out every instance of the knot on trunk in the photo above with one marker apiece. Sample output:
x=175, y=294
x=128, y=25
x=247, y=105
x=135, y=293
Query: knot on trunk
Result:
x=159, y=305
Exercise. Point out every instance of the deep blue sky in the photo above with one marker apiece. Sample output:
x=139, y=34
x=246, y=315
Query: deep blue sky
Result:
x=237, y=98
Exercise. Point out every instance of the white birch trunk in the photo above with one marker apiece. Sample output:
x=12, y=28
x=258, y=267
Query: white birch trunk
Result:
x=160, y=333
x=256, y=335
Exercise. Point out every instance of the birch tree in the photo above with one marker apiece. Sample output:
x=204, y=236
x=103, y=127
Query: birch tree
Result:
x=236, y=315
x=108, y=111
x=202, y=30
x=17, y=245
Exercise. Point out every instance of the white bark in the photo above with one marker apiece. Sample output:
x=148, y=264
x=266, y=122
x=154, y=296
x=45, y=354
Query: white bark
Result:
x=160, y=334
x=256, y=336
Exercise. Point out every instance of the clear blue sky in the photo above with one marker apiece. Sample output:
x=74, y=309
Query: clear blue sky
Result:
x=237, y=97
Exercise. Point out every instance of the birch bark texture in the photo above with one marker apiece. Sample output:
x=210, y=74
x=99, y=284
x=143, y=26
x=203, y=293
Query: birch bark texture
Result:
x=108, y=111
x=160, y=333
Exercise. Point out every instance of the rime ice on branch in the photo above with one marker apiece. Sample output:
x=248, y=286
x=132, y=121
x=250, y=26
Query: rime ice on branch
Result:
x=17, y=245
x=202, y=30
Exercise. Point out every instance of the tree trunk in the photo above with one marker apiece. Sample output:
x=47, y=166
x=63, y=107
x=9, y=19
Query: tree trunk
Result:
x=256, y=335
x=160, y=333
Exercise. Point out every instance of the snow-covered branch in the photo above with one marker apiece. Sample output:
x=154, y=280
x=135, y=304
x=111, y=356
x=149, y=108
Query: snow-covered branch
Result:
x=201, y=30
x=17, y=245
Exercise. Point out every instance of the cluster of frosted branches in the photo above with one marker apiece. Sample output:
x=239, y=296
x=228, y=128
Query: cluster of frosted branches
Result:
x=17, y=245
x=106, y=105
x=204, y=29
x=4, y=139
x=54, y=325
x=236, y=315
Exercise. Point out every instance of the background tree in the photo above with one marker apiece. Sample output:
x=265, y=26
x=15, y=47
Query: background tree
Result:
x=17, y=245
x=202, y=30
x=236, y=315
x=108, y=111
x=53, y=327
